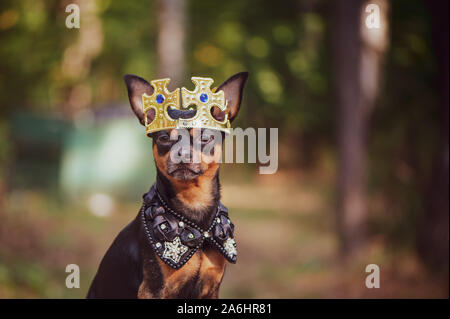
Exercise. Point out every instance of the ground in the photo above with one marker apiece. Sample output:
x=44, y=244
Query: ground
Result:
x=287, y=247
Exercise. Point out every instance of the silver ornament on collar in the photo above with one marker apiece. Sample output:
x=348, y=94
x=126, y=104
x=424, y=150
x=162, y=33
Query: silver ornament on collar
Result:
x=230, y=247
x=174, y=249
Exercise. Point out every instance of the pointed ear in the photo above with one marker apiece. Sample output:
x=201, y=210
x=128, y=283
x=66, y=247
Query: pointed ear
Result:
x=136, y=87
x=233, y=88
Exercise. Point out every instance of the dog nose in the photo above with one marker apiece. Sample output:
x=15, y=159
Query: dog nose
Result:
x=184, y=154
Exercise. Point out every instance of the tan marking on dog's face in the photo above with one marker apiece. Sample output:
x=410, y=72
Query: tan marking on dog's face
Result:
x=197, y=195
x=161, y=160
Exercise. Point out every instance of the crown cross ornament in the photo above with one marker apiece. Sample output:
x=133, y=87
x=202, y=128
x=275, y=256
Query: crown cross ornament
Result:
x=202, y=99
x=159, y=102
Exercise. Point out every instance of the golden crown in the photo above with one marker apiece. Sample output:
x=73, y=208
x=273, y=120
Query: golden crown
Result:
x=203, y=99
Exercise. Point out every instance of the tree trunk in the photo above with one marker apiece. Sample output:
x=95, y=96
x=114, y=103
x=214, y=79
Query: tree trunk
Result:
x=357, y=53
x=171, y=35
x=433, y=239
x=76, y=96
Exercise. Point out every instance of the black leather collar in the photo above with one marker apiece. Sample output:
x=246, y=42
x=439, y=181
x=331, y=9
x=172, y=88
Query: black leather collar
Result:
x=175, y=238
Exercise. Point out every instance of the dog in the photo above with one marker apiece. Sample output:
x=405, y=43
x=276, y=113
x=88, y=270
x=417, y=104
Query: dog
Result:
x=179, y=243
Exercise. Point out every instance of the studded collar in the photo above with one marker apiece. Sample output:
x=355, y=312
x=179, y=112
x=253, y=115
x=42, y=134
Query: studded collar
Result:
x=175, y=238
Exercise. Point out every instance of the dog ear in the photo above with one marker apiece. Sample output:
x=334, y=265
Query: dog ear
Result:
x=136, y=87
x=233, y=88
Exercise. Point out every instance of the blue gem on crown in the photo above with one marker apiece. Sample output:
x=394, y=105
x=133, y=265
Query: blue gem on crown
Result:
x=159, y=98
x=204, y=97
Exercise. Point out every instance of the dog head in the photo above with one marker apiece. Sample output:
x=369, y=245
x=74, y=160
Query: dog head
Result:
x=180, y=154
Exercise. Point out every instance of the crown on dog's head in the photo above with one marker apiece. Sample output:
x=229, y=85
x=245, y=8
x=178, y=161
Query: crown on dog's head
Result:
x=202, y=99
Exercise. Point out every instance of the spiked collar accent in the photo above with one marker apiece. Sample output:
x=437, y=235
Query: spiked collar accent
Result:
x=175, y=238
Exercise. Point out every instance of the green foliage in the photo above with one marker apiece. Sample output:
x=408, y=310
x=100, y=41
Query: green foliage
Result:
x=282, y=49
x=285, y=47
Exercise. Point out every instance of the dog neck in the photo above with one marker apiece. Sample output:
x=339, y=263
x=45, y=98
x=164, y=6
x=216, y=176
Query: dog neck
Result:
x=196, y=199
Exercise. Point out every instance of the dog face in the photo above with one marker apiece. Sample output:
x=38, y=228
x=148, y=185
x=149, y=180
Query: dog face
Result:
x=185, y=155
x=198, y=156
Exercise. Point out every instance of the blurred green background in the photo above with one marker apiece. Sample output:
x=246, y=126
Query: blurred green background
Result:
x=358, y=183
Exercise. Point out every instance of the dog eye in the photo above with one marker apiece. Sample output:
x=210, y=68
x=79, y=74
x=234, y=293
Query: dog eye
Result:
x=163, y=138
x=206, y=138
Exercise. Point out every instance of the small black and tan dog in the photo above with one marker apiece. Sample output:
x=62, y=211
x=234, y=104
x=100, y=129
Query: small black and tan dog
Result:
x=178, y=244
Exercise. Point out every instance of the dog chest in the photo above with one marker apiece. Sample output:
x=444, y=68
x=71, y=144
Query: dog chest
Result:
x=200, y=277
